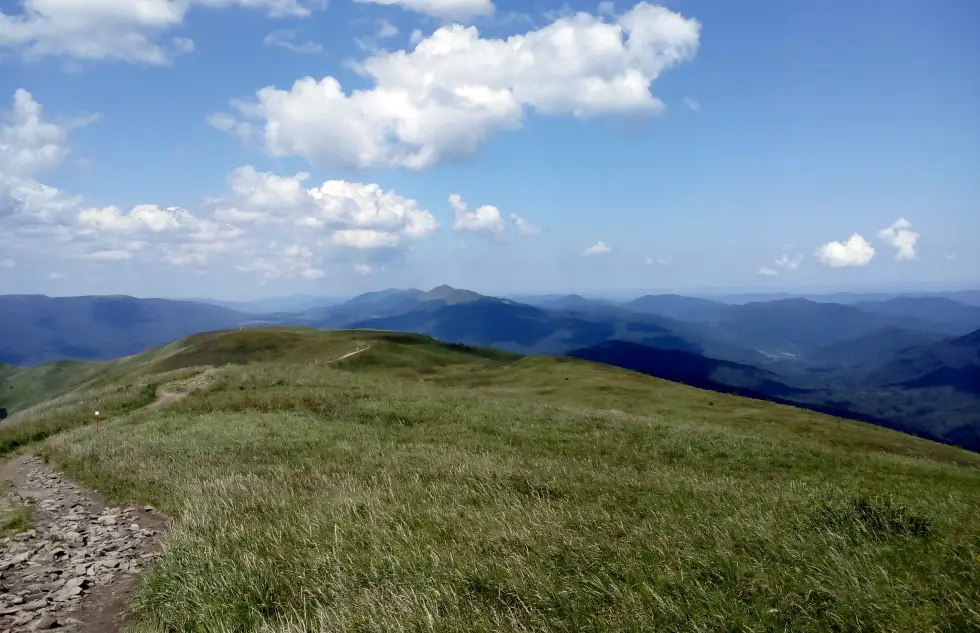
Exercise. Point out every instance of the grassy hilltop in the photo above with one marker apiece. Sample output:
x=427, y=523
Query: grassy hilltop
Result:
x=421, y=486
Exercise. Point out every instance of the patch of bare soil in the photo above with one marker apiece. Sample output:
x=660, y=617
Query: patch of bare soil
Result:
x=177, y=391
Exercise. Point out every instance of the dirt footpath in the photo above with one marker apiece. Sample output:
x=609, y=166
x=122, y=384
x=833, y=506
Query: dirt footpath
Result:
x=79, y=566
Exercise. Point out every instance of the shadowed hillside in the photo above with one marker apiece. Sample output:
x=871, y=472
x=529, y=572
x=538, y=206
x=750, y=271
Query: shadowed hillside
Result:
x=931, y=391
x=36, y=329
x=525, y=329
x=690, y=369
x=871, y=349
x=954, y=362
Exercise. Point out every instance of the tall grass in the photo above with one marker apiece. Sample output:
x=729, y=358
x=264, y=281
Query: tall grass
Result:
x=77, y=408
x=318, y=499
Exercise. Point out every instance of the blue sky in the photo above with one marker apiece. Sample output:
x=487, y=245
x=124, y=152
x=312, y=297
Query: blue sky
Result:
x=165, y=148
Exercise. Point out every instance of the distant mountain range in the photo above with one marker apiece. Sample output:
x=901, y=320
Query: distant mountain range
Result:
x=908, y=362
x=678, y=307
x=968, y=297
x=37, y=329
x=692, y=369
x=293, y=303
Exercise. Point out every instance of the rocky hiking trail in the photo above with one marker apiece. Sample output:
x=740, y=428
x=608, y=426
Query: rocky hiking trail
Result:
x=78, y=566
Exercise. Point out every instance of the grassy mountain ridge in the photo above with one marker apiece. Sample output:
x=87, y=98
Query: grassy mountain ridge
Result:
x=21, y=387
x=850, y=360
x=420, y=485
x=678, y=351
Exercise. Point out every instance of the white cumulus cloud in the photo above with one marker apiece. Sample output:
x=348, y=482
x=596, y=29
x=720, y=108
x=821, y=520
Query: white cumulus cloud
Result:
x=486, y=219
x=365, y=238
x=599, y=248
x=856, y=251
x=442, y=9
x=456, y=89
x=178, y=236
x=144, y=217
x=145, y=220
x=691, y=104
x=363, y=269
x=361, y=207
x=902, y=238
x=124, y=30
x=268, y=193
x=29, y=146
x=240, y=228
x=664, y=261
x=765, y=271
x=26, y=202
x=351, y=214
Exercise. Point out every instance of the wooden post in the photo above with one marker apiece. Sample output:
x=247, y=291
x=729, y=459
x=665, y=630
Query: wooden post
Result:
x=96, y=421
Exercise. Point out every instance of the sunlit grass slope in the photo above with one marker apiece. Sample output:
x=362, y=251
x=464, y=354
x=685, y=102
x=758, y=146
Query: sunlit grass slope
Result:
x=423, y=486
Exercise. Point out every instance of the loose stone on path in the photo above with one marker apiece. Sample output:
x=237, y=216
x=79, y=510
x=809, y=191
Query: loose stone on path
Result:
x=47, y=572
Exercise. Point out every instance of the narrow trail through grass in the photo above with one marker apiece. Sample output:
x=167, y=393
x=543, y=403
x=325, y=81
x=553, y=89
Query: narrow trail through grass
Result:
x=421, y=486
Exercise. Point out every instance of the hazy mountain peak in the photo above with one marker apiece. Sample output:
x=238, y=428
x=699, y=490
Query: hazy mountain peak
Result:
x=450, y=295
x=442, y=288
x=790, y=301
